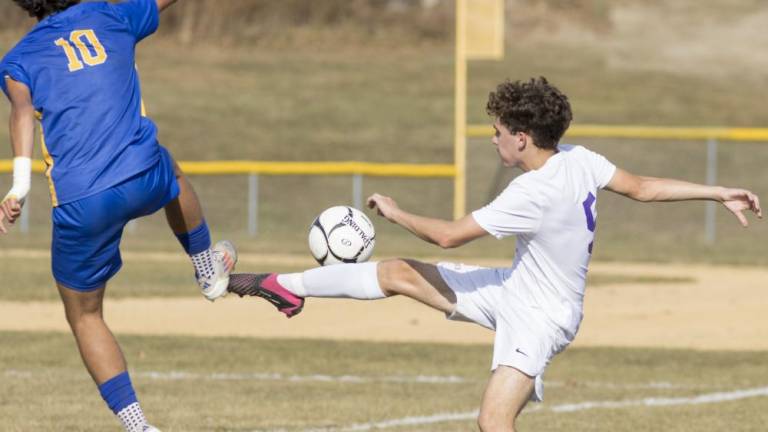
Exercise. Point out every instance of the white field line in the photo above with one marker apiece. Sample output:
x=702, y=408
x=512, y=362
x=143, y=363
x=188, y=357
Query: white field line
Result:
x=367, y=379
x=650, y=402
x=269, y=376
x=350, y=379
x=387, y=424
x=417, y=379
x=562, y=408
x=662, y=401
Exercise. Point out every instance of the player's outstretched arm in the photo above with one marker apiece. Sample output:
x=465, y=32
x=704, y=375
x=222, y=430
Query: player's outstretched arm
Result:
x=162, y=4
x=647, y=189
x=446, y=234
x=22, y=125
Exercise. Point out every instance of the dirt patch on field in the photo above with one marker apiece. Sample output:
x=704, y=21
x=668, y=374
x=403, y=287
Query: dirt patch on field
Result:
x=721, y=308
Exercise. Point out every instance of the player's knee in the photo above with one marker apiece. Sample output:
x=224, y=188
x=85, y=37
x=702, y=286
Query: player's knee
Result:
x=396, y=277
x=488, y=422
x=79, y=311
x=78, y=318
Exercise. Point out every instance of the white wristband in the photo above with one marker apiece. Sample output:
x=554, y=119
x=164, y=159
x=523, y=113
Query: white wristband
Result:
x=22, y=177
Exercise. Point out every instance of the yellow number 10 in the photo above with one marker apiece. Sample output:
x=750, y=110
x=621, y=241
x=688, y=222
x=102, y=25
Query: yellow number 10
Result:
x=91, y=59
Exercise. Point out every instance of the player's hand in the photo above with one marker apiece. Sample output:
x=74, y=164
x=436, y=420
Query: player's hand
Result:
x=384, y=205
x=739, y=200
x=10, y=210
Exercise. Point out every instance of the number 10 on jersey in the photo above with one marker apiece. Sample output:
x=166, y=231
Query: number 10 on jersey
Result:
x=90, y=58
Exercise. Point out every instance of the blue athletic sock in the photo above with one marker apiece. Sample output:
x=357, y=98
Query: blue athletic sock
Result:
x=196, y=240
x=118, y=392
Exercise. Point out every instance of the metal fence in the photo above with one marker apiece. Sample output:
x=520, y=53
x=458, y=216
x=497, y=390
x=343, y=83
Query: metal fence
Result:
x=359, y=170
x=254, y=169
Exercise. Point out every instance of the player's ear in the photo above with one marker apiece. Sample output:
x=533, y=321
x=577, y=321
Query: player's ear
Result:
x=523, y=142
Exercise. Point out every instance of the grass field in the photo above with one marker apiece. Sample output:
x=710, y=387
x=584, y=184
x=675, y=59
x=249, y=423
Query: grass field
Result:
x=169, y=274
x=326, y=385
x=373, y=100
x=229, y=384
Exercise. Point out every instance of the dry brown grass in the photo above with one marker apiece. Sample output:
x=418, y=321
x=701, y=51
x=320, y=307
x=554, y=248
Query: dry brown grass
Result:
x=293, y=23
x=717, y=38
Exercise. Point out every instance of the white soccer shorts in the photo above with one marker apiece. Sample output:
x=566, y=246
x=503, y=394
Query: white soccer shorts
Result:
x=524, y=340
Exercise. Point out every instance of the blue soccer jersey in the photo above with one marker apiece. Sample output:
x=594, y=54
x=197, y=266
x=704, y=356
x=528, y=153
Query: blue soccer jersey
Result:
x=80, y=68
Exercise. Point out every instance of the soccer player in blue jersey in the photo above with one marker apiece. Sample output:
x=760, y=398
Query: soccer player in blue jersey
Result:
x=75, y=71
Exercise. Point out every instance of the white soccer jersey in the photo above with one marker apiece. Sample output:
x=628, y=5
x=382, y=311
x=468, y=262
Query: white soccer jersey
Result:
x=552, y=212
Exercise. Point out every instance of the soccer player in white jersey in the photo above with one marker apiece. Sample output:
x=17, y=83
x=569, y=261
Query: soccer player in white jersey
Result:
x=535, y=306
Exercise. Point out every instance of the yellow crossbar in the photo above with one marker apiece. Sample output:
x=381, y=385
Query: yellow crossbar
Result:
x=317, y=168
x=648, y=132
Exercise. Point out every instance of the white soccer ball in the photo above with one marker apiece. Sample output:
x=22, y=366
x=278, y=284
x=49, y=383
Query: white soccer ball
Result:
x=341, y=234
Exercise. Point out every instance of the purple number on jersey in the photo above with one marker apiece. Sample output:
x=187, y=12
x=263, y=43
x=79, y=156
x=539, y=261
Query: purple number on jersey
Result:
x=591, y=224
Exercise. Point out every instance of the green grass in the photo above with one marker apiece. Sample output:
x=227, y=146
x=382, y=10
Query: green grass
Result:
x=598, y=279
x=44, y=386
x=29, y=278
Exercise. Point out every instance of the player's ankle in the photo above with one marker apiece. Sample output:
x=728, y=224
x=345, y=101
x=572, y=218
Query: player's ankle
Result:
x=293, y=282
x=195, y=240
x=120, y=397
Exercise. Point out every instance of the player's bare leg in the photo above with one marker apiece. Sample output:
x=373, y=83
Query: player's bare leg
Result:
x=417, y=280
x=508, y=390
x=505, y=397
x=185, y=212
x=98, y=347
x=185, y=218
x=367, y=281
x=102, y=356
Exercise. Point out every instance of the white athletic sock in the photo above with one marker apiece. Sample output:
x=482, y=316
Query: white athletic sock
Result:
x=357, y=281
x=132, y=418
x=293, y=282
x=203, y=263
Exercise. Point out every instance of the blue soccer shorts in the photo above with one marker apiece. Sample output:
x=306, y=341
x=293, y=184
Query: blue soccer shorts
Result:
x=85, y=250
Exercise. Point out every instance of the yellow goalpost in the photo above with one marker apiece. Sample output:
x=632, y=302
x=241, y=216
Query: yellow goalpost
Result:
x=479, y=36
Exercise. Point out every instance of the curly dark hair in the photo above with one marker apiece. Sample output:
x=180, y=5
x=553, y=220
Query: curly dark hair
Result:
x=42, y=8
x=534, y=107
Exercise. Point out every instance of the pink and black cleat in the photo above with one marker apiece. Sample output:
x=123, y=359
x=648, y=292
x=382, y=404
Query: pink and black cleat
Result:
x=265, y=285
